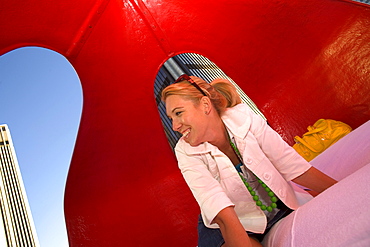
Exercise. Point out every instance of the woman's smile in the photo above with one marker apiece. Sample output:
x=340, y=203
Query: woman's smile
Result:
x=186, y=133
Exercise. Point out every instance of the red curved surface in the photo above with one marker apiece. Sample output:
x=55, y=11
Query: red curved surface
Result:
x=298, y=60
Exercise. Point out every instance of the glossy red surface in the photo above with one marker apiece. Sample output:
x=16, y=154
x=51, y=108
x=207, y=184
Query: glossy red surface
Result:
x=298, y=60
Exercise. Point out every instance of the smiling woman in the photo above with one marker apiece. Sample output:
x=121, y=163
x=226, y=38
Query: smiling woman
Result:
x=237, y=167
x=190, y=102
x=42, y=106
x=190, y=64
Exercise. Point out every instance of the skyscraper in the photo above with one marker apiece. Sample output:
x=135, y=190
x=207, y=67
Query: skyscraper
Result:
x=16, y=223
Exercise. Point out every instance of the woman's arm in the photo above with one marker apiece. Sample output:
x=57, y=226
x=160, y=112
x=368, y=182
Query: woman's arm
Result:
x=315, y=180
x=286, y=160
x=232, y=230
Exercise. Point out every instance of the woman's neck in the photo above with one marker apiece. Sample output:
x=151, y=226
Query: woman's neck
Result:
x=219, y=134
x=222, y=142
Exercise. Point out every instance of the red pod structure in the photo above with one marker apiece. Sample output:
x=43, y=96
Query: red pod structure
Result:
x=299, y=61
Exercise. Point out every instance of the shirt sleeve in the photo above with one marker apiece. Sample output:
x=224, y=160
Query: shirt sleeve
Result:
x=207, y=191
x=286, y=160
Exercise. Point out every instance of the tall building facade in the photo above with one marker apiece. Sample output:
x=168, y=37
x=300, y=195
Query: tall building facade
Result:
x=16, y=224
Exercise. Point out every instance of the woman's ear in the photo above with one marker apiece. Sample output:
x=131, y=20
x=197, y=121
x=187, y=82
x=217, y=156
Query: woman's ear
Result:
x=206, y=104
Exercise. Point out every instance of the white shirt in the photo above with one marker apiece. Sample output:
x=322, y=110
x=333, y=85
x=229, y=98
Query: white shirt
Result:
x=215, y=183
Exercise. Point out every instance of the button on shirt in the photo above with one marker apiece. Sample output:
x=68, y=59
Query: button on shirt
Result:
x=215, y=183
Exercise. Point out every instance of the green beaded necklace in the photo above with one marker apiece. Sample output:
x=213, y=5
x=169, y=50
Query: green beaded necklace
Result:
x=252, y=192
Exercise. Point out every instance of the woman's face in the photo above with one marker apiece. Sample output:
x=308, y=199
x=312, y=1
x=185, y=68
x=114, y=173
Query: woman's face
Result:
x=188, y=118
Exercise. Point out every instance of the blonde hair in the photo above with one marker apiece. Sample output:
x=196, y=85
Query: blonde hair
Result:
x=220, y=91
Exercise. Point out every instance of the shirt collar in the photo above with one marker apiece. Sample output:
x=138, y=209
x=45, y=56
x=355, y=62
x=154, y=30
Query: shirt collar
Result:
x=237, y=120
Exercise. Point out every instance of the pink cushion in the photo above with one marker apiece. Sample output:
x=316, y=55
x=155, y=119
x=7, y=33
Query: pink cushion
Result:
x=347, y=155
x=340, y=215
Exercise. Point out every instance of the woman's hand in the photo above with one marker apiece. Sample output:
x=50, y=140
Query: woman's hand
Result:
x=232, y=230
x=315, y=180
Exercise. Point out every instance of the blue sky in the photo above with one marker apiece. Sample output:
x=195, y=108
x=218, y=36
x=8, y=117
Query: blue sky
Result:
x=41, y=104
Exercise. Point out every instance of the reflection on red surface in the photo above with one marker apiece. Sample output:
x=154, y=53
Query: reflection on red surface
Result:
x=297, y=60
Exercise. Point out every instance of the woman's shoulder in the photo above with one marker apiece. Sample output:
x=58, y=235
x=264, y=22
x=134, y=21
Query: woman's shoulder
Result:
x=241, y=108
x=237, y=117
x=183, y=147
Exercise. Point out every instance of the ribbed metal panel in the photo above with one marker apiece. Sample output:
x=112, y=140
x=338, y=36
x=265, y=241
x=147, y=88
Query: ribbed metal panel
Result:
x=363, y=1
x=204, y=68
x=164, y=79
x=191, y=64
x=15, y=212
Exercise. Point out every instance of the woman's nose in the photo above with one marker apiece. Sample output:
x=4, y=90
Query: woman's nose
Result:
x=176, y=125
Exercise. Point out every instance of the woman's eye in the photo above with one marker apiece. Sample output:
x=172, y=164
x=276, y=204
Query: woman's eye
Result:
x=178, y=113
